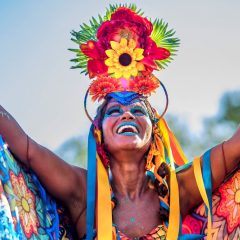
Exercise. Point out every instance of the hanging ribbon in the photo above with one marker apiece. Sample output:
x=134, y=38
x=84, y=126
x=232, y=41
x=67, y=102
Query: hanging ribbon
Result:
x=166, y=141
x=200, y=183
x=178, y=154
x=207, y=178
x=174, y=215
x=104, y=207
x=91, y=184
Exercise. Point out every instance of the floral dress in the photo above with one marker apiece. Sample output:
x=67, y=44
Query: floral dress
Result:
x=28, y=212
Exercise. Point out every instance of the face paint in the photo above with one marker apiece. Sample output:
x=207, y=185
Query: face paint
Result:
x=117, y=111
x=126, y=126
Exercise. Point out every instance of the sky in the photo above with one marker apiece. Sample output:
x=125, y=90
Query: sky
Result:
x=46, y=97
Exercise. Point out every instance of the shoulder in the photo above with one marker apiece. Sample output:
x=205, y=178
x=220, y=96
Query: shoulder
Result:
x=79, y=196
x=81, y=173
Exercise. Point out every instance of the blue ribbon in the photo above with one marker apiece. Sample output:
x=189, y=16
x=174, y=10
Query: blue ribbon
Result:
x=207, y=178
x=191, y=236
x=91, y=184
x=164, y=205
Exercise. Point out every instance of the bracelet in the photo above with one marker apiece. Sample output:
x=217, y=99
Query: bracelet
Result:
x=224, y=159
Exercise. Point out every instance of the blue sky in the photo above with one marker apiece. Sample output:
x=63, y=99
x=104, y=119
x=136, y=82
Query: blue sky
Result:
x=46, y=97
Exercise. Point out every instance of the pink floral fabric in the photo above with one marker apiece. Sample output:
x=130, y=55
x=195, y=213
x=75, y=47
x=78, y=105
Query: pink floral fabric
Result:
x=226, y=212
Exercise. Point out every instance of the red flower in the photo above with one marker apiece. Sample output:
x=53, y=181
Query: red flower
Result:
x=124, y=23
x=144, y=84
x=96, y=67
x=93, y=50
x=129, y=15
x=153, y=52
x=100, y=87
x=97, y=55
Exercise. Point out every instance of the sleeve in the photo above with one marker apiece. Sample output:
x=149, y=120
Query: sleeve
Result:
x=225, y=211
x=27, y=211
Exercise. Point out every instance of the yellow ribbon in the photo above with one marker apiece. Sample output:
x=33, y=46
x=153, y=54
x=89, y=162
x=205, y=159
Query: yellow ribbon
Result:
x=174, y=215
x=166, y=140
x=104, y=209
x=198, y=176
x=173, y=143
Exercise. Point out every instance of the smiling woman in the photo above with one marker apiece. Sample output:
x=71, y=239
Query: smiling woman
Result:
x=120, y=122
x=139, y=184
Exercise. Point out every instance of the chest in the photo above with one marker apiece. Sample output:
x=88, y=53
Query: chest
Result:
x=137, y=218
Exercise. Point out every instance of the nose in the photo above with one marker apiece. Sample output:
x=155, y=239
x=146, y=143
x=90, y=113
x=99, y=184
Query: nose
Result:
x=127, y=115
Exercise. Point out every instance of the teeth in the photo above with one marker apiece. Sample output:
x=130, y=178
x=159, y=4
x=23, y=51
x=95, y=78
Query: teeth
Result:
x=121, y=129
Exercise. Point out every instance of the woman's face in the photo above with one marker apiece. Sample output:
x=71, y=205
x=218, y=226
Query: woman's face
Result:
x=126, y=127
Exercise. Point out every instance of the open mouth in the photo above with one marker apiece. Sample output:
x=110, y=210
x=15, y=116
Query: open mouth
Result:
x=127, y=128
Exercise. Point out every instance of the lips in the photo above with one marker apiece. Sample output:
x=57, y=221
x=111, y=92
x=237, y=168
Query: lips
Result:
x=127, y=128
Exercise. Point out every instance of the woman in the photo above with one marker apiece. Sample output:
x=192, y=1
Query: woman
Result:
x=131, y=139
x=127, y=134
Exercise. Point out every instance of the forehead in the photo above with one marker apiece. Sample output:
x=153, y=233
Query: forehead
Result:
x=137, y=102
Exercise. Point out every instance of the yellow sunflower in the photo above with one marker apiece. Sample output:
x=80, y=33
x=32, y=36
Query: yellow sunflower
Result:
x=123, y=59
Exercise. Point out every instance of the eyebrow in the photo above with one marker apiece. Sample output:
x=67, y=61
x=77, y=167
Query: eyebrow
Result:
x=113, y=105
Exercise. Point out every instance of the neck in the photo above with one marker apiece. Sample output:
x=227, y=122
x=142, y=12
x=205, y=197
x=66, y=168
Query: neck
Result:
x=128, y=175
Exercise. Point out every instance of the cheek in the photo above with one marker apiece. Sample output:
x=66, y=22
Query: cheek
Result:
x=148, y=126
x=106, y=129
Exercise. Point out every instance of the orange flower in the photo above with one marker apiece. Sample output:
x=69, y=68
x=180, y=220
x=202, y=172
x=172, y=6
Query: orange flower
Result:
x=144, y=84
x=100, y=87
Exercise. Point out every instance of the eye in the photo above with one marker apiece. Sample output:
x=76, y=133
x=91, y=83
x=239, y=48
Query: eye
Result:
x=139, y=111
x=114, y=111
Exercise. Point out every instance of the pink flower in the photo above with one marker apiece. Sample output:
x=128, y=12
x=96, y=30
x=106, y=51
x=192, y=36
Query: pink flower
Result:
x=229, y=206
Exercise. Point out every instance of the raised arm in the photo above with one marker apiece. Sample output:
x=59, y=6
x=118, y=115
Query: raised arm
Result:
x=58, y=177
x=225, y=157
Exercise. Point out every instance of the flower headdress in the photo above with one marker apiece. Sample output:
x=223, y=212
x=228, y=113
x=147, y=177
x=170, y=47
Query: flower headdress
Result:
x=119, y=52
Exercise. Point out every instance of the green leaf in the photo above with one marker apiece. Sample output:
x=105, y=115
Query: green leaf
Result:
x=164, y=38
x=74, y=50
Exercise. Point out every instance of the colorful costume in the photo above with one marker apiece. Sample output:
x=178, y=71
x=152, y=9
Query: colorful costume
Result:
x=17, y=222
x=120, y=51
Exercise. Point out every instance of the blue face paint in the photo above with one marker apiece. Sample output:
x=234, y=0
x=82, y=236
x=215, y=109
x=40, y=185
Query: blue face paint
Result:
x=117, y=111
x=113, y=112
x=138, y=111
x=129, y=132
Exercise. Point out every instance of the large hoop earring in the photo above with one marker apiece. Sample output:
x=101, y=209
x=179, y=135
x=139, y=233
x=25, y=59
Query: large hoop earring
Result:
x=167, y=100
